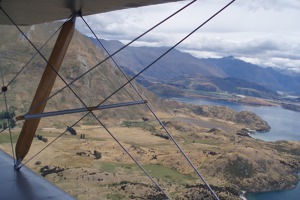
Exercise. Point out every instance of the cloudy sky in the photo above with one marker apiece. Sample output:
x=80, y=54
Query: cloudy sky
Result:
x=264, y=32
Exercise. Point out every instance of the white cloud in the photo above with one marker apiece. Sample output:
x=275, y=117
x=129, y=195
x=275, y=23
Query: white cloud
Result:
x=265, y=32
x=270, y=4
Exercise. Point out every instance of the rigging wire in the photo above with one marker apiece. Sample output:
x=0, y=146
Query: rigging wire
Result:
x=154, y=114
x=44, y=58
x=123, y=148
x=128, y=153
x=7, y=115
x=133, y=99
x=109, y=58
x=116, y=52
x=20, y=71
x=103, y=124
x=77, y=96
x=170, y=49
x=19, y=167
x=49, y=144
x=148, y=65
x=130, y=80
x=183, y=153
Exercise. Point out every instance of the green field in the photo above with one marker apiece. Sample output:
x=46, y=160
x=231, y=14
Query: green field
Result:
x=157, y=171
x=5, y=137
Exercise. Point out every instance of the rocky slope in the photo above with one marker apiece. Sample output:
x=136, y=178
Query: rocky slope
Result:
x=81, y=56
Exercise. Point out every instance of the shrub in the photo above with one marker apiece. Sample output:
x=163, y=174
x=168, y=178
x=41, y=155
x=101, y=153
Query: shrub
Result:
x=240, y=168
x=97, y=154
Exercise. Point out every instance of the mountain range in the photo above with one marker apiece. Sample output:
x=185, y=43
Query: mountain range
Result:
x=184, y=71
x=171, y=75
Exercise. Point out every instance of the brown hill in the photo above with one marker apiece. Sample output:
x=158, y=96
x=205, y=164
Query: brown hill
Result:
x=244, y=117
x=81, y=56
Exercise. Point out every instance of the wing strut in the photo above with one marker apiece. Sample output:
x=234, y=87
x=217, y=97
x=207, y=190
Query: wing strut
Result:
x=43, y=91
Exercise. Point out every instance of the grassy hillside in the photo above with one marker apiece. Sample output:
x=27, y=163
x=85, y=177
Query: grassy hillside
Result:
x=81, y=56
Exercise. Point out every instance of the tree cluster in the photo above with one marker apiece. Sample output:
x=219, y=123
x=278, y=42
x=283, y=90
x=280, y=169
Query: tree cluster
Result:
x=7, y=119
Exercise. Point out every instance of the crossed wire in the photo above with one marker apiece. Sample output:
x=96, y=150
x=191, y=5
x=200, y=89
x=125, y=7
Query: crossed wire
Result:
x=164, y=127
x=130, y=80
x=116, y=52
x=85, y=106
x=21, y=70
x=19, y=167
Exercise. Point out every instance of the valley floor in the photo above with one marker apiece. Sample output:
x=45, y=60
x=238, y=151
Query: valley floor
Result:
x=97, y=168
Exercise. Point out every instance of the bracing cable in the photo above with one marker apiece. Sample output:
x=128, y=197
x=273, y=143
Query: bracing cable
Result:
x=130, y=80
x=135, y=89
x=44, y=58
x=170, y=49
x=148, y=106
x=7, y=115
x=161, y=55
x=21, y=70
x=116, y=141
x=116, y=52
x=154, y=114
x=128, y=153
x=19, y=167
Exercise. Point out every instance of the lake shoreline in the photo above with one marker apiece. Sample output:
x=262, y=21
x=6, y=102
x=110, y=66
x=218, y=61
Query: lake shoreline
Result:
x=247, y=195
x=244, y=100
x=283, y=122
x=260, y=108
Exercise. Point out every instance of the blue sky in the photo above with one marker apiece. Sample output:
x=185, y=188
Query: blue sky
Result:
x=264, y=32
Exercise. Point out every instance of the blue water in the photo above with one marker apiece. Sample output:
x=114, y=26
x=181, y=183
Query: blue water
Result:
x=285, y=125
x=278, y=195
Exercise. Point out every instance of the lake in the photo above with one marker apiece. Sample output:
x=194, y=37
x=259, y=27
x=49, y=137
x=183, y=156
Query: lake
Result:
x=284, y=124
x=277, y=195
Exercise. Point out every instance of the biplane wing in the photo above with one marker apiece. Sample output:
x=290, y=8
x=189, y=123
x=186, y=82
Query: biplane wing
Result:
x=28, y=12
x=25, y=184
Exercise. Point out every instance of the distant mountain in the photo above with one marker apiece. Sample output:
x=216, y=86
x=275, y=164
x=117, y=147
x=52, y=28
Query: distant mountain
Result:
x=268, y=77
x=175, y=64
x=230, y=74
x=230, y=85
